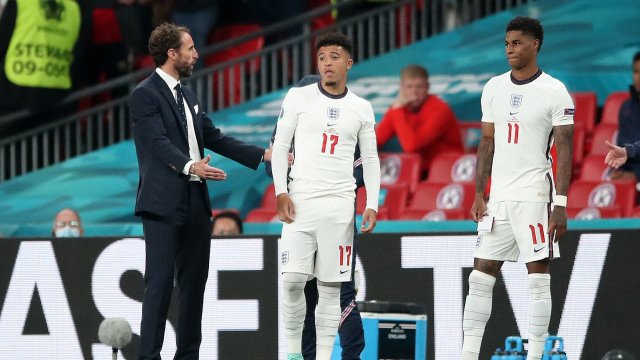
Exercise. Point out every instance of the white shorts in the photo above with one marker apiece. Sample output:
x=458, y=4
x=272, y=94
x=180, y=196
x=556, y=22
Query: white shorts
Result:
x=320, y=240
x=519, y=227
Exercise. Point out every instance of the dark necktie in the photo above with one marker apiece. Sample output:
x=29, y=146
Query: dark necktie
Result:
x=180, y=100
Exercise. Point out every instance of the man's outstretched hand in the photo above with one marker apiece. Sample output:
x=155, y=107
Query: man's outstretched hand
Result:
x=616, y=156
x=203, y=170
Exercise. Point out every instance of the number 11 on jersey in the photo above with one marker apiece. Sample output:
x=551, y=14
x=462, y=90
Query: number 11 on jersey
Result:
x=333, y=138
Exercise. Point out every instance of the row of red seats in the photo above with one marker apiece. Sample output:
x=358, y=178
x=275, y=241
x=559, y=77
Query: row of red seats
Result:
x=448, y=192
x=589, y=135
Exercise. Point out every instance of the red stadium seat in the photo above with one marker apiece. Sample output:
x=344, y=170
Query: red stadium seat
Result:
x=400, y=168
x=392, y=201
x=592, y=213
x=594, y=169
x=269, y=198
x=586, y=105
x=430, y=196
x=433, y=215
x=612, y=195
x=235, y=73
x=452, y=167
x=612, y=106
x=262, y=215
x=603, y=132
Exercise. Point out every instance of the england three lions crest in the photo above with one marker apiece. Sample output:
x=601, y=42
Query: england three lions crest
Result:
x=333, y=113
x=516, y=100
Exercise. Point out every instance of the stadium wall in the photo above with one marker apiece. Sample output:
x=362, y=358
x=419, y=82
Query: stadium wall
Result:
x=55, y=292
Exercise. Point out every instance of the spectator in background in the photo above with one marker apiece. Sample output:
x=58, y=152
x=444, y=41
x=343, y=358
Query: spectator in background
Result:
x=119, y=31
x=629, y=124
x=199, y=16
x=67, y=223
x=423, y=123
x=227, y=223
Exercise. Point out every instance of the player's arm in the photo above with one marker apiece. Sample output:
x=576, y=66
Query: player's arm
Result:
x=286, y=126
x=484, y=163
x=562, y=121
x=370, y=170
x=563, y=137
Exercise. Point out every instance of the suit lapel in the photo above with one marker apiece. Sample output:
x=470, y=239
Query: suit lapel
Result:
x=168, y=95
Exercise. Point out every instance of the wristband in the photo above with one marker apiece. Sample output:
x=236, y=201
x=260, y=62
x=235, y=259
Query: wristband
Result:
x=560, y=200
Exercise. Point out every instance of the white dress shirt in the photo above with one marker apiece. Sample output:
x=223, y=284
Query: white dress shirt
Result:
x=194, y=151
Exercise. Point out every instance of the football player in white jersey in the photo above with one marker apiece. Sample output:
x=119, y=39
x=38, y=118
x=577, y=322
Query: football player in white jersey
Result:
x=524, y=111
x=324, y=120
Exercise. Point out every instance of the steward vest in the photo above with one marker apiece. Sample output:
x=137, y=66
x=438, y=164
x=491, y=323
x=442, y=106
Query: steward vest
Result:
x=40, y=52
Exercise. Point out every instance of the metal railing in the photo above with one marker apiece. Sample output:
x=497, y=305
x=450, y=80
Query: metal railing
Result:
x=375, y=32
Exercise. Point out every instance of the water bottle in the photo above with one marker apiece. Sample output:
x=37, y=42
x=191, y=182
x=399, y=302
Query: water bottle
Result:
x=514, y=348
x=554, y=348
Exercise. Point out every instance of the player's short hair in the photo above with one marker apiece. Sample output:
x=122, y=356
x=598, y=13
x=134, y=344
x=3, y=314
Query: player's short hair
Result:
x=528, y=26
x=636, y=57
x=414, y=71
x=164, y=37
x=229, y=215
x=336, y=39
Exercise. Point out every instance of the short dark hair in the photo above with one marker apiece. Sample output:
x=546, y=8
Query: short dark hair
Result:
x=636, y=57
x=336, y=39
x=229, y=215
x=164, y=37
x=528, y=26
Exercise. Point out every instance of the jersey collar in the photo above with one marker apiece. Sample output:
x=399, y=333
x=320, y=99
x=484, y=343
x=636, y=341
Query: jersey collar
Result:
x=339, y=96
x=526, y=81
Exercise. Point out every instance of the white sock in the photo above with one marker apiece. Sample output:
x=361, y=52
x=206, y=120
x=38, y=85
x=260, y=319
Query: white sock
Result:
x=327, y=318
x=539, y=313
x=477, y=310
x=294, y=308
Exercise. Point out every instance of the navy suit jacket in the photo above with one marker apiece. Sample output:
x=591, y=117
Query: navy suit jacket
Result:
x=162, y=146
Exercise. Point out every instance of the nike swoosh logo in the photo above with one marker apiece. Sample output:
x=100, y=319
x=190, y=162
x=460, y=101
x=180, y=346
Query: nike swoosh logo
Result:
x=513, y=113
x=334, y=124
x=342, y=272
x=538, y=250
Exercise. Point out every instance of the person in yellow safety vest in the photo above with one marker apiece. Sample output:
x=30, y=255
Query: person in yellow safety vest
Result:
x=37, y=45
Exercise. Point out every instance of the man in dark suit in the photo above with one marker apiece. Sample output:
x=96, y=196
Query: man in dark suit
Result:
x=170, y=134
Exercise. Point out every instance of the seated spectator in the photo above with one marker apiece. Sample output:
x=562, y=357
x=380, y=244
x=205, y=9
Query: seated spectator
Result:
x=423, y=123
x=67, y=223
x=629, y=124
x=227, y=223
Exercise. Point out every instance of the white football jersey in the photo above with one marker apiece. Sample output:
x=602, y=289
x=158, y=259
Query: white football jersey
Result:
x=524, y=114
x=325, y=130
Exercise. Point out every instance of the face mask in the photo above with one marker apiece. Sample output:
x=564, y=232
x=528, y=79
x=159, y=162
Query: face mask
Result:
x=67, y=231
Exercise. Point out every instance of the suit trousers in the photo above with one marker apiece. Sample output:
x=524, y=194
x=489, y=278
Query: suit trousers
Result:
x=176, y=245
